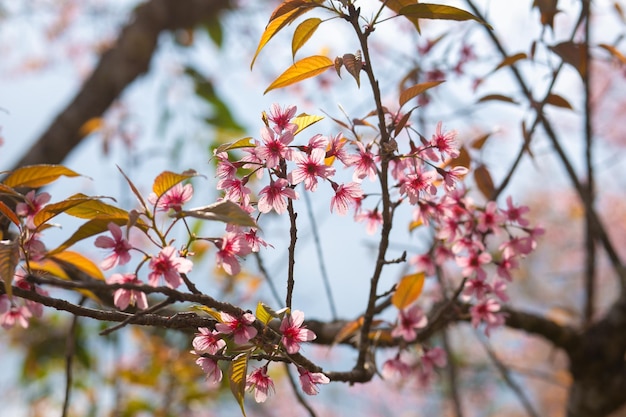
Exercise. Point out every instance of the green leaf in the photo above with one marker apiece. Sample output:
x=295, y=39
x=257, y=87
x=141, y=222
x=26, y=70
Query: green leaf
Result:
x=262, y=313
x=36, y=176
x=303, y=33
x=439, y=12
x=408, y=290
x=305, y=120
x=416, y=90
x=9, y=258
x=237, y=378
x=167, y=179
x=241, y=143
x=224, y=211
x=301, y=70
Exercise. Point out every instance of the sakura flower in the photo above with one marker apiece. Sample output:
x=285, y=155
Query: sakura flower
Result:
x=505, y=266
x=336, y=148
x=309, y=167
x=19, y=280
x=395, y=368
x=174, y=198
x=15, y=315
x=293, y=332
x=345, y=195
x=31, y=206
x=274, y=148
x=122, y=297
x=473, y=263
x=169, y=266
x=499, y=289
x=445, y=143
x=424, y=263
x=236, y=190
x=478, y=287
x=310, y=380
x=211, y=369
x=454, y=175
x=514, y=214
x=259, y=382
x=489, y=219
x=273, y=196
x=239, y=327
x=118, y=243
x=364, y=162
x=231, y=245
x=254, y=241
x=433, y=357
x=225, y=168
x=207, y=341
x=419, y=182
x=281, y=118
x=487, y=311
x=408, y=321
x=372, y=219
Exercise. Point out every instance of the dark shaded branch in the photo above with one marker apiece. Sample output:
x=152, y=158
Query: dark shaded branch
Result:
x=118, y=67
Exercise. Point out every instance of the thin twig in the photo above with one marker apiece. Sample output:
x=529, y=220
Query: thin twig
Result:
x=320, y=256
x=70, y=348
x=293, y=237
x=132, y=318
x=261, y=265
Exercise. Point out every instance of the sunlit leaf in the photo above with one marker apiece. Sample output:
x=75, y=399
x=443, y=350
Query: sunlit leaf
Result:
x=397, y=5
x=558, y=101
x=92, y=125
x=408, y=290
x=305, y=120
x=573, y=54
x=439, y=12
x=614, y=51
x=301, y=70
x=167, y=179
x=35, y=176
x=4, y=209
x=4, y=189
x=415, y=224
x=289, y=5
x=510, y=60
x=416, y=90
x=303, y=33
x=353, y=64
x=81, y=262
x=50, y=267
x=348, y=330
x=88, y=229
x=51, y=210
x=213, y=313
x=273, y=27
x=247, y=142
x=262, y=314
x=237, y=378
x=484, y=181
x=9, y=258
x=496, y=97
x=224, y=211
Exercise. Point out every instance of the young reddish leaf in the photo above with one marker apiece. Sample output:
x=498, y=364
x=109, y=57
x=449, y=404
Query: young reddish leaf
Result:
x=572, y=53
x=9, y=258
x=303, y=33
x=88, y=229
x=92, y=125
x=348, y=330
x=273, y=27
x=401, y=123
x=416, y=90
x=238, y=144
x=614, y=51
x=4, y=209
x=463, y=160
x=215, y=314
x=408, y=290
x=338, y=64
x=80, y=262
x=479, y=142
x=510, y=60
x=353, y=64
x=237, y=378
x=262, y=314
x=484, y=181
x=305, y=120
x=167, y=179
x=439, y=12
x=397, y=5
x=547, y=9
x=134, y=190
x=558, y=101
x=35, y=176
x=496, y=97
x=224, y=211
x=289, y=5
x=301, y=70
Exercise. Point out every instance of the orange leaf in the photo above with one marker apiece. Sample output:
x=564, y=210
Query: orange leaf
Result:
x=305, y=120
x=237, y=378
x=35, y=176
x=484, y=181
x=90, y=126
x=397, y=5
x=301, y=70
x=510, y=60
x=9, y=258
x=88, y=229
x=80, y=262
x=416, y=90
x=498, y=97
x=303, y=33
x=439, y=12
x=572, y=53
x=273, y=27
x=167, y=179
x=4, y=209
x=614, y=51
x=348, y=330
x=558, y=101
x=408, y=290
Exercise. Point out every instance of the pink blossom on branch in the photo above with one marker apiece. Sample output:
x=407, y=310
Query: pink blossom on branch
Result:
x=207, y=341
x=281, y=118
x=118, y=243
x=364, y=162
x=309, y=167
x=274, y=148
x=231, y=245
x=345, y=195
x=174, y=198
x=408, y=321
x=13, y=314
x=168, y=266
x=211, y=369
x=122, y=297
x=259, y=382
x=310, y=380
x=487, y=311
x=372, y=219
x=445, y=143
x=239, y=327
x=294, y=333
x=31, y=206
x=273, y=196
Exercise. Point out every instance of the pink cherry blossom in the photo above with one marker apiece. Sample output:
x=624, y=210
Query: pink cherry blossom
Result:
x=31, y=206
x=505, y=266
x=118, y=243
x=309, y=168
x=15, y=315
x=235, y=190
x=372, y=219
x=395, y=368
x=337, y=148
x=239, y=327
x=408, y=321
x=273, y=196
x=231, y=245
x=345, y=195
x=19, y=280
x=487, y=311
x=473, y=262
x=122, y=297
x=364, y=162
x=274, y=148
x=169, y=266
x=454, y=175
x=310, y=380
x=514, y=214
x=415, y=184
x=293, y=332
x=445, y=143
x=317, y=142
x=489, y=219
x=259, y=382
x=424, y=263
x=211, y=369
x=174, y=198
x=207, y=341
x=434, y=357
x=499, y=289
x=281, y=118
x=254, y=241
x=476, y=287
x=225, y=168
